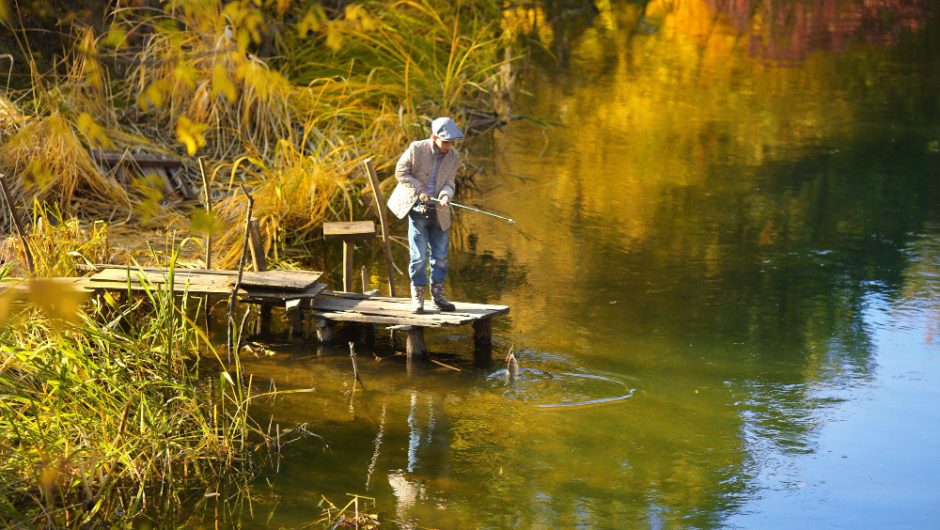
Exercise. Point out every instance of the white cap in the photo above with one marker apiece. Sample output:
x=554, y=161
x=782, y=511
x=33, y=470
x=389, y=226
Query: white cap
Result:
x=446, y=129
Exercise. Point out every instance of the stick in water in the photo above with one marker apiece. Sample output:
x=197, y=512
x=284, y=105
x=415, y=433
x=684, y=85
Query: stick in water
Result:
x=352, y=356
x=477, y=210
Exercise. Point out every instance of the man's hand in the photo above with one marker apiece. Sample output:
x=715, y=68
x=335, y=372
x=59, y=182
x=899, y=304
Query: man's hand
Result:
x=424, y=197
x=445, y=200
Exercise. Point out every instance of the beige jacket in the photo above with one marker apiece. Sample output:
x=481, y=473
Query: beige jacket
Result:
x=413, y=172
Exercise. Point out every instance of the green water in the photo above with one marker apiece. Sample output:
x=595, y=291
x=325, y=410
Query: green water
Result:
x=725, y=292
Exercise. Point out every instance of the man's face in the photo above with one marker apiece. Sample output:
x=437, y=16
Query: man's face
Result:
x=443, y=145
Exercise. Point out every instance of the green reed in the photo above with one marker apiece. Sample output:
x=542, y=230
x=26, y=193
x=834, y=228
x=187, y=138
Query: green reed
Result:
x=107, y=416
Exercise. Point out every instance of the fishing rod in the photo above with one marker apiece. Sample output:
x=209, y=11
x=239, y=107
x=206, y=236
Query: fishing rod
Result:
x=477, y=210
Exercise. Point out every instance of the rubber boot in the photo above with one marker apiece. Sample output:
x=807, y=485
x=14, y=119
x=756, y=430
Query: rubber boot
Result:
x=437, y=293
x=417, y=299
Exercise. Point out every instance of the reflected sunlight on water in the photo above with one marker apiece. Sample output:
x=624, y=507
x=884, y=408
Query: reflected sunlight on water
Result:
x=726, y=245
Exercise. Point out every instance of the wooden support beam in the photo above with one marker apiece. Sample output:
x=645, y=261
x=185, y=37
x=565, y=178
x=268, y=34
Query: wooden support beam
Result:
x=324, y=330
x=483, y=342
x=348, y=232
x=258, y=261
x=296, y=313
x=347, y=266
x=368, y=335
x=414, y=344
x=259, y=264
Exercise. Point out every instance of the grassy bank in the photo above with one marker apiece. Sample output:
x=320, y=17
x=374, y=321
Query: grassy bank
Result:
x=285, y=97
x=105, y=417
x=108, y=415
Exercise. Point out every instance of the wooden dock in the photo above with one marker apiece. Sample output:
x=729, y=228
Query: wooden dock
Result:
x=302, y=295
x=395, y=313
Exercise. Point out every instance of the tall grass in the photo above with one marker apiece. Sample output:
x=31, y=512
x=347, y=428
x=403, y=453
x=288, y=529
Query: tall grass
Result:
x=105, y=418
x=301, y=91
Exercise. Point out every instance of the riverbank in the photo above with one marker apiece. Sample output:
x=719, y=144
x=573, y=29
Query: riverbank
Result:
x=117, y=411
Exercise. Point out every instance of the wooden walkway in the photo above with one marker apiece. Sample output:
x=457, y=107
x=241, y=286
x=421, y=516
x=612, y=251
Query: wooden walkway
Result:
x=302, y=295
x=396, y=313
x=273, y=286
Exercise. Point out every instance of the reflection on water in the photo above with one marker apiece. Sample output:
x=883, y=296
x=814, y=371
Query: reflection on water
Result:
x=733, y=255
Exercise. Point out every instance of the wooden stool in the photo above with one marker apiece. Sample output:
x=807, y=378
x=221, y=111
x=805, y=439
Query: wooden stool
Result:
x=349, y=232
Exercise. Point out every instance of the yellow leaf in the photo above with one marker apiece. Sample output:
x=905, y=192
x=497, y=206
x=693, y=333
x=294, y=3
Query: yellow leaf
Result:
x=312, y=22
x=58, y=301
x=116, y=37
x=190, y=134
x=184, y=73
x=152, y=96
x=38, y=173
x=4, y=11
x=92, y=131
x=222, y=84
x=334, y=37
x=203, y=222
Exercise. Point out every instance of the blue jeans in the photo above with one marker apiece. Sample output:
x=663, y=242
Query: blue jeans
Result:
x=423, y=234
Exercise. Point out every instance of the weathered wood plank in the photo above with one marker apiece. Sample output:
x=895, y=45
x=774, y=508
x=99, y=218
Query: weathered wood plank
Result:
x=462, y=312
x=349, y=230
x=179, y=287
x=373, y=319
x=495, y=308
x=275, y=279
x=278, y=279
x=158, y=278
x=396, y=311
x=283, y=296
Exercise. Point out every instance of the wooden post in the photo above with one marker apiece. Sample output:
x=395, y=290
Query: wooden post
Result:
x=364, y=272
x=258, y=261
x=324, y=331
x=483, y=342
x=296, y=313
x=380, y=207
x=347, y=266
x=414, y=345
x=368, y=335
x=259, y=264
x=348, y=232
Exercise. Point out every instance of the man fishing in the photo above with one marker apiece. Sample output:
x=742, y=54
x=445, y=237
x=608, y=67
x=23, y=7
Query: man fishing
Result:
x=425, y=174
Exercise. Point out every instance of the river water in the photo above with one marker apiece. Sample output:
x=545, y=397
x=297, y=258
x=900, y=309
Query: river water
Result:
x=725, y=290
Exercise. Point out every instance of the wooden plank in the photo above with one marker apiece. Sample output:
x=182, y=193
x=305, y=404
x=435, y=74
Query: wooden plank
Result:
x=179, y=288
x=277, y=279
x=283, y=296
x=349, y=230
x=373, y=319
x=157, y=278
x=462, y=310
x=497, y=309
x=328, y=309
